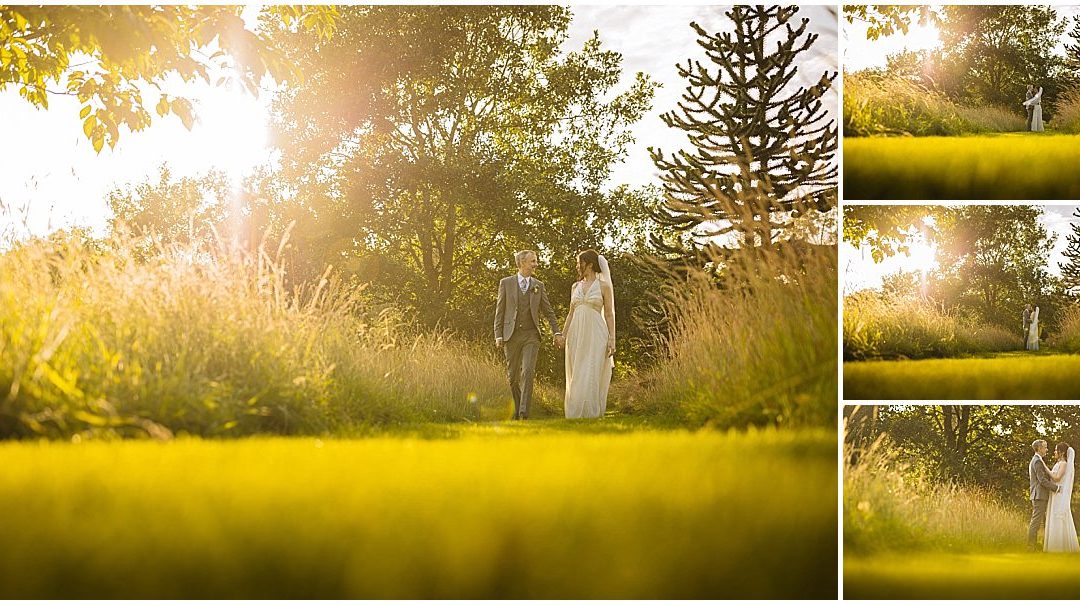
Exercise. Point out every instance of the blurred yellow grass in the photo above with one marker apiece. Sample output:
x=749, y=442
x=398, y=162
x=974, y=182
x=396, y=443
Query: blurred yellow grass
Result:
x=1021, y=166
x=497, y=512
x=1025, y=576
x=1005, y=376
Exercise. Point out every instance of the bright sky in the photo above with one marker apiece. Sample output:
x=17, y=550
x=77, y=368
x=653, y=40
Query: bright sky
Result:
x=861, y=272
x=860, y=53
x=51, y=178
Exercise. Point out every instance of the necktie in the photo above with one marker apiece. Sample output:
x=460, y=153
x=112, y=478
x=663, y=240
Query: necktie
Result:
x=524, y=285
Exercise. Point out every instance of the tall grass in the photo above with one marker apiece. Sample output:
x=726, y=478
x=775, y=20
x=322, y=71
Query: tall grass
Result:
x=106, y=338
x=888, y=507
x=1067, y=337
x=1067, y=112
x=879, y=327
x=759, y=347
x=876, y=105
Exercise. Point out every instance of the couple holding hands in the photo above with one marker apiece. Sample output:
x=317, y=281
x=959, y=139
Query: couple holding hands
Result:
x=587, y=335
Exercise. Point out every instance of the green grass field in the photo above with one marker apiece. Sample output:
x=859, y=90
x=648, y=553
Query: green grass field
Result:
x=556, y=509
x=969, y=576
x=1003, y=376
x=1021, y=166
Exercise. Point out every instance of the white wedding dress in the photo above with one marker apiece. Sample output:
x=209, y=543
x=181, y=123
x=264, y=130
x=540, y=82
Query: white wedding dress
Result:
x=1036, y=113
x=588, y=366
x=1060, y=528
x=1033, y=332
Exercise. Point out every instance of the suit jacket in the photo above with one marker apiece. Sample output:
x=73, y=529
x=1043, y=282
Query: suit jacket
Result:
x=1041, y=485
x=507, y=305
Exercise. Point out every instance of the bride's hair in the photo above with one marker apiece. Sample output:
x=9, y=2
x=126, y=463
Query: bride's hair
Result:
x=1061, y=448
x=590, y=258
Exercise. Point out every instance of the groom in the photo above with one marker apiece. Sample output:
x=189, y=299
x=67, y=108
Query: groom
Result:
x=1040, y=486
x=522, y=298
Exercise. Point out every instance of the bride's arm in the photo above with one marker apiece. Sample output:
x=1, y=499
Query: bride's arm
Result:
x=609, y=315
x=1055, y=475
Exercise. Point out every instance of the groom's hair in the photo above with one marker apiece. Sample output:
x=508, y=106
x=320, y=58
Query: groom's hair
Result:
x=1035, y=444
x=521, y=255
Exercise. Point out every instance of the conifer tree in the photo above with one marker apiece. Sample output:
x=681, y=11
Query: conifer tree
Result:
x=1070, y=270
x=763, y=147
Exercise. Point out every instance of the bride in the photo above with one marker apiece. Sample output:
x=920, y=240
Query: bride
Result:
x=1060, y=528
x=1033, y=331
x=590, y=338
x=1035, y=103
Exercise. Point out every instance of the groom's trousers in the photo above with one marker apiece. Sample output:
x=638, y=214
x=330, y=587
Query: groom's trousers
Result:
x=1038, y=519
x=521, y=352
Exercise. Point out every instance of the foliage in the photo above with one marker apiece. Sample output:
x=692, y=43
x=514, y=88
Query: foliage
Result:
x=1067, y=112
x=1070, y=269
x=756, y=348
x=886, y=229
x=113, y=338
x=876, y=104
x=989, y=55
x=962, y=168
x=762, y=150
x=427, y=144
x=101, y=54
x=892, y=506
x=993, y=260
x=503, y=512
x=884, y=326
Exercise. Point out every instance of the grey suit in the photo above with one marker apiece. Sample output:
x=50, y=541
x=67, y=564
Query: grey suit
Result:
x=517, y=323
x=1040, y=487
x=1027, y=319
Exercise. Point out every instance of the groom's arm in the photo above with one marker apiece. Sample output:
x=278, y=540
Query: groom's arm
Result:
x=549, y=312
x=1042, y=475
x=500, y=315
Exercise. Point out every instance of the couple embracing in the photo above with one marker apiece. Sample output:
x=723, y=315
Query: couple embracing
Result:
x=1051, y=499
x=588, y=334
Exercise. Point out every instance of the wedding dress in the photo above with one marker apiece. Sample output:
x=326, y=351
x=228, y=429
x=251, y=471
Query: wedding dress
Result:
x=588, y=366
x=1033, y=331
x=1036, y=113
x=1060, y=528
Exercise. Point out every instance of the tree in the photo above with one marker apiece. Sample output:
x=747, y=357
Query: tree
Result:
x=999, y=50
x=429, y=143
x=117, y=48
x=1070, y=270
x=763, y=150
x=993, y=259
x=885, y=229
x=886, y=20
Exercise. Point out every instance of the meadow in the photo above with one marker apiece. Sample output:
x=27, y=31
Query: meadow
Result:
x=977, y=167
x=880, y=327
x=1017, y=375
x=545, y=509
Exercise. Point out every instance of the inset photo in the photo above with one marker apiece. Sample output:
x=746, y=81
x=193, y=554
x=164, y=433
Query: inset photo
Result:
x=961, y=102
x=961, y=302
x=960, y=502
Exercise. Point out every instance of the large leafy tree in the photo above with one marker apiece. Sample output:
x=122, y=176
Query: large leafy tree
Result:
x=762, y=147
x=426, y=144
x=1070, y=269
x=107, y=56
x=993, y=259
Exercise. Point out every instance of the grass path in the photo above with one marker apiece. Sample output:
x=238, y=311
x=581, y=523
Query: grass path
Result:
x=1004, y=376
x=1022, y=166
x=968, y=576
x=557, y=509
